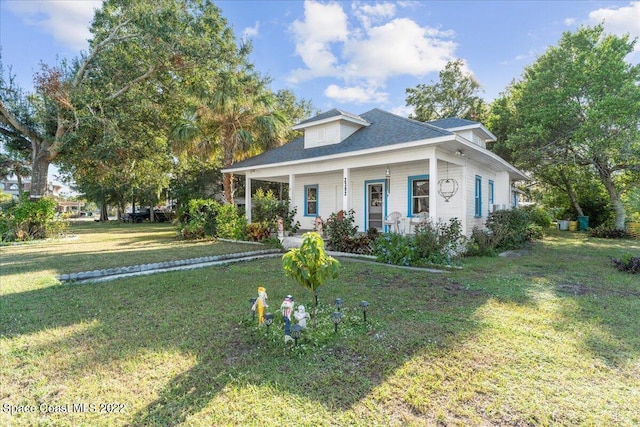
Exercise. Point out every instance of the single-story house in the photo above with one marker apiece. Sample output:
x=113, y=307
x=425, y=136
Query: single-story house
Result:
x=390, y=170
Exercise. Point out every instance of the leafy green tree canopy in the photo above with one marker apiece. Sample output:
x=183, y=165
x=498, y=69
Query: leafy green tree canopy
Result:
x=579, y=103
x=455, y=95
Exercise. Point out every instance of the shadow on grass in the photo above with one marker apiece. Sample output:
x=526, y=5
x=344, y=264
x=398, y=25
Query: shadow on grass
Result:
x=601, y=298
x=206, y=312
x=71, y=256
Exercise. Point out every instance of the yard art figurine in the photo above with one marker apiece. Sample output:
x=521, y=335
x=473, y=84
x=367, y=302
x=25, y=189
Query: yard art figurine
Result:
x=287, y=310
x=261, y=303
x=318, y=225
x=280, y=228
x=301, y=316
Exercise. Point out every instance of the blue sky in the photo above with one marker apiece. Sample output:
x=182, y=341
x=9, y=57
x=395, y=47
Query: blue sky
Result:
x=354, y=55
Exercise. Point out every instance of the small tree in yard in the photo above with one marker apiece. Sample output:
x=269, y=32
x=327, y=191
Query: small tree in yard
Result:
x=310, y=265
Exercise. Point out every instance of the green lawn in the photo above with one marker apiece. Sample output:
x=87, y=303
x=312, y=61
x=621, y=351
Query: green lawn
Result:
x=549, y=338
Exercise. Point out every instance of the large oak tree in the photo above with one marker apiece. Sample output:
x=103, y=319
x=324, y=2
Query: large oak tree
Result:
x=153, y=48
x=579, y=105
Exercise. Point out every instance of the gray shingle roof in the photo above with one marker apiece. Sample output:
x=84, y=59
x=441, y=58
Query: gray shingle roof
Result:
x=452, y=122
x=328, y=114
x=386, y=129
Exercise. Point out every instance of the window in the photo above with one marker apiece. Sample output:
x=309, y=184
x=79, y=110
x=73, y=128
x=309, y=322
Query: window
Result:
x=418, y=194
x=311, y=200
x=478, y=198
x=491, y=200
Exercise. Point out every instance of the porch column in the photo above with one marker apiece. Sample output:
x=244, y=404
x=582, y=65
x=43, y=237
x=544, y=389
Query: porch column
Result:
x=292, y=184
x=433, y=186
x=346, y=182
x=247, y=198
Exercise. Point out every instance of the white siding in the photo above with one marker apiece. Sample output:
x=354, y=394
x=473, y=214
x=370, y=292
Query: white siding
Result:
x=328, y=133
x=454, y=208
x=325, y=134
x=328, y=199
x=501, y=193
x=471, y=135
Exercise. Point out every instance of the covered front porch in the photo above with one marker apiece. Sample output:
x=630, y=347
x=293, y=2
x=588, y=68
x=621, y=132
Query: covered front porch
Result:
x=376, y=187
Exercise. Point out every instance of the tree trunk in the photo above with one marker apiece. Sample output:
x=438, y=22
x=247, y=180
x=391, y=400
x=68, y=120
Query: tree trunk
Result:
x=227, y=178
x=614, y=196
x=39, y=174
x=20, y=187
x=103, y=212
x=572, y=195
x=227, y=185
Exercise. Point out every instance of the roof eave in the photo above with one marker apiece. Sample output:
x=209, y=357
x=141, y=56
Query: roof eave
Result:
x=305, y=125
x=399, y=146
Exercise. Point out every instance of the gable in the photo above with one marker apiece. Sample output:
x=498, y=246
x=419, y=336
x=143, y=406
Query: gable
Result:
x=331, y=127
x=472, y=131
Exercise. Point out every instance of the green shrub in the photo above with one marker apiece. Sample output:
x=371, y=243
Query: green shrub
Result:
x=509, y=228
x=534, y=232
x=206, y=218
x=393, y=248
x=230, y=223
x=30, y=220
x=606, y=232
x=539, y=216
x=340, y=229
x=439, y=243
x=481, y=243
x=266, y=208
x=198, y=219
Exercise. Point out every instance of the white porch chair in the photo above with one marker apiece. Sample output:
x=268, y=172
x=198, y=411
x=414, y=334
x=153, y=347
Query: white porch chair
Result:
x=417, y=220
x=393, y=221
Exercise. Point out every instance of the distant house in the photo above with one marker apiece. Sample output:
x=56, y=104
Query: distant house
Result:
x=389, y=169
x=10, y=186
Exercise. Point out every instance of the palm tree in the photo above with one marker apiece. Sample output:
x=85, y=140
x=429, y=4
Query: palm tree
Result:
x=238, y=118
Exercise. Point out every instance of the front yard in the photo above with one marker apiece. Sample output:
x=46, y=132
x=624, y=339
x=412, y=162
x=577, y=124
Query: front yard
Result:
x=549, y=338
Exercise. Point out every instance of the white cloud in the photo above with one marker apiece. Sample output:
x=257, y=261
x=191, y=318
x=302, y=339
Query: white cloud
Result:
x=569, y=22
x=323, y=25
x=619, y=21
x=369, y=14
x=67, y=21
x=402, y=110
x=365, y=52
x=398, y=47
x=355, y=94
x=250, y=32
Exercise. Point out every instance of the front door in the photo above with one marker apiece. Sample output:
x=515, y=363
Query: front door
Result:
x=375, y=206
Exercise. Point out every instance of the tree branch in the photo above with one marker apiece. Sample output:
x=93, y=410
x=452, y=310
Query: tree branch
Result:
x=11, y=120
x=132, y=83
x=111, y=38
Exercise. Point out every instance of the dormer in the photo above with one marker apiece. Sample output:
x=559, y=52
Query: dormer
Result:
x=331, y=127
x=471, y=131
